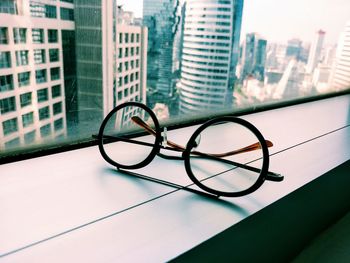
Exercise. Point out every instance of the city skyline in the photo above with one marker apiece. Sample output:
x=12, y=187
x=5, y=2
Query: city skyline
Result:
x=294, y=21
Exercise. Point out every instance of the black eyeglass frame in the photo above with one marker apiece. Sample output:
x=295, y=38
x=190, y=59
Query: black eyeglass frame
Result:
x=157, y=146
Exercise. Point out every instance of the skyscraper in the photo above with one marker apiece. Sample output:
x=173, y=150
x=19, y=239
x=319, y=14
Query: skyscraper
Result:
x=341, y=78
x=161, y=19
x=209, y=54
x=131, y=60
x=315, y=51
x=253, y=57
x=294, y=48
x=32, y=88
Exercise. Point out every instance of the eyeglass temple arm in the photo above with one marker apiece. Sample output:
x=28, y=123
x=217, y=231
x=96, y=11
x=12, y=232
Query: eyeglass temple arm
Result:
x=249, y=148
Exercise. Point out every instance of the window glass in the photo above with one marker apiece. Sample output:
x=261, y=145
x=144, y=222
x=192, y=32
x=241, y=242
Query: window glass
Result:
x=55, y=73
x=38, y=35
x=57, y=108
x=10, y=126
x=45, y=130
x=27, y=119
x=54, y=55
x=67, y=14
x=65, y=64
x=44, y=113
x=23, y=79
x=29, y=137
x=26, y=99
x=56, y=91
x=5, y=59
x=58, y=124
x=12, y=143
x=42, y=95
x=22, y=58
x=6, y=83
x=7, y=105
x=20, y=35
x=3, y=35
x=8, y=6
x=52, y=35
x=39, y=56
x=40, y=76
x=50, y=11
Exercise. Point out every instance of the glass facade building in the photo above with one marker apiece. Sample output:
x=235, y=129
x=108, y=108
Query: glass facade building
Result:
x=162, y=21
x=209, y=54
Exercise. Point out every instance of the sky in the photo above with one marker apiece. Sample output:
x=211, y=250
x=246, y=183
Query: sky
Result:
x=280, y=20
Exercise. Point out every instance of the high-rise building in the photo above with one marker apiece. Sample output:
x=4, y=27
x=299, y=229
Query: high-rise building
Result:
x=294, y=48
x=161, y=19
x=341, y=77
x=315, y=51
x=110, y=62
x=209, y=55
x=131, y=60
x=32, y=87
x=253, y=57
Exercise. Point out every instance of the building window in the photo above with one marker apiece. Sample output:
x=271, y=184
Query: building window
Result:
x=67, y=14
x=137, y=50
x=29, y=137
x=27, y=119
x=6, y=83
x=5, y=59
x=10, y=126
x=12, y=143
x=68, y=1
x=54, y=55
x=120, y=38
x=26, y=99
x=52, y=35
x=8, y=7
x=3, y=35
x=50, y=11
x=37, y=9
x=56, y=91
x=22, y=58
x=126, y=35
x=23, y=79
x=39, y=56
x=20, y=35
x=57, y=108
x=40, y=76
x=7, y=105
x=126, y=52
x=58, y=124
x=44, y=113
x=45, y=130
x=137, y=38
x=132, y=38
x=43, y=95
x=38, y=35
x=55, y=73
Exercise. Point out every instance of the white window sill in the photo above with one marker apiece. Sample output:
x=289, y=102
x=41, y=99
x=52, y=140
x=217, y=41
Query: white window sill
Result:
x=75, y=207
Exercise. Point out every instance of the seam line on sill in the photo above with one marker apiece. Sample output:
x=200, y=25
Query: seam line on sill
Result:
x=147, y=201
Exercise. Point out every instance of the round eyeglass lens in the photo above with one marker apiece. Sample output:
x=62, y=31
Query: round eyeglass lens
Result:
x=125, y=139
x=226, y=157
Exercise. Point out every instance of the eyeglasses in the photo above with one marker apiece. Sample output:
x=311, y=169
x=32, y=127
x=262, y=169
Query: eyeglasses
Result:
x=225, y=156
